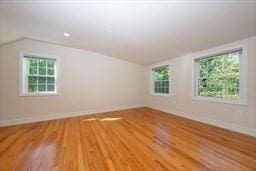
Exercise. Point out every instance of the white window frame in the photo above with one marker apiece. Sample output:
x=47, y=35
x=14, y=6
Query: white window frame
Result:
x=22, y=82
x=242, y=100
x=152, y=91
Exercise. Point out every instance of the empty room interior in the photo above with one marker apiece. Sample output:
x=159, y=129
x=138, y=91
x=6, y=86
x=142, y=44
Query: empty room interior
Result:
x=128, y=85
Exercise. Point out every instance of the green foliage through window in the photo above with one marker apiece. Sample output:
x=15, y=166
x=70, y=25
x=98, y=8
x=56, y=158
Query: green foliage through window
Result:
x=219, y=75
x=161, y=79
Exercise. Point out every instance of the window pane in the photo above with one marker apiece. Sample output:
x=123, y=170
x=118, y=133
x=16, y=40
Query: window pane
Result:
x=32, y=62
x=50, y=80
x=50, y=71
x=158, y=84
x=158, y=90
x=162, y=84
x=51, y=87
x=41, y=88
x=50, y=63
x=42, y=71
x=42, y=80
x=32, y=88
x=32, y=80
x=155, y=84
x=42, y=63
x=162, y=90
x=166, y=90
x=33, y=71
x=167, y=84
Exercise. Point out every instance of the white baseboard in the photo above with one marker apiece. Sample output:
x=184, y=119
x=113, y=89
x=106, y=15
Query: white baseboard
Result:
x=47, y=117
x=218, y=123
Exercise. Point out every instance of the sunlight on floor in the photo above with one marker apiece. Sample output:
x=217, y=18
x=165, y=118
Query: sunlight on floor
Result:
x=104, y=119
x=110, y=119
x=91, y=119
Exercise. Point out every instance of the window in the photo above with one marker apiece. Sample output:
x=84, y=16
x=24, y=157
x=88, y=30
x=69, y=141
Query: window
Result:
x=39, y=75
x=161, y=79
x=218, y=77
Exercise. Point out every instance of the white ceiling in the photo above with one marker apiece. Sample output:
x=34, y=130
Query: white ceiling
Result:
x=140, y=32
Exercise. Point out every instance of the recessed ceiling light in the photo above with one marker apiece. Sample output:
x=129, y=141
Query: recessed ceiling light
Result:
x=66, y=34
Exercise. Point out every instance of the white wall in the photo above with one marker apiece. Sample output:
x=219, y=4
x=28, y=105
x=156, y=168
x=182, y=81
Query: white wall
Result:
x=89, y=82
x=236, y=117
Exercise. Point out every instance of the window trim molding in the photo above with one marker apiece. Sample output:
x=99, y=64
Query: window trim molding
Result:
x=242, y=75
x=152, y=80
x=22, y=91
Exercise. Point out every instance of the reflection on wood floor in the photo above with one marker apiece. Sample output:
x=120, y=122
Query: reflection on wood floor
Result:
x=135, y=139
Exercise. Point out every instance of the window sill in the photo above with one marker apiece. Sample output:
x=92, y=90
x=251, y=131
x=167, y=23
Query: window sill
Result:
x=38, y=94
x=220, y=100
x=159, y=94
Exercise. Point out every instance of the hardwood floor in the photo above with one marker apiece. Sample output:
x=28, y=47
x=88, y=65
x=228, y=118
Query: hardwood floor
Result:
x=136, y=139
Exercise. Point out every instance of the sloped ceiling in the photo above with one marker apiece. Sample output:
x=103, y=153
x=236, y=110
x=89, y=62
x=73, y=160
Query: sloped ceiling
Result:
x=140, y=32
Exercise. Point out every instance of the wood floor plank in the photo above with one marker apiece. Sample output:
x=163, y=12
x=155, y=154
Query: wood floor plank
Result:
x=136, y=139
